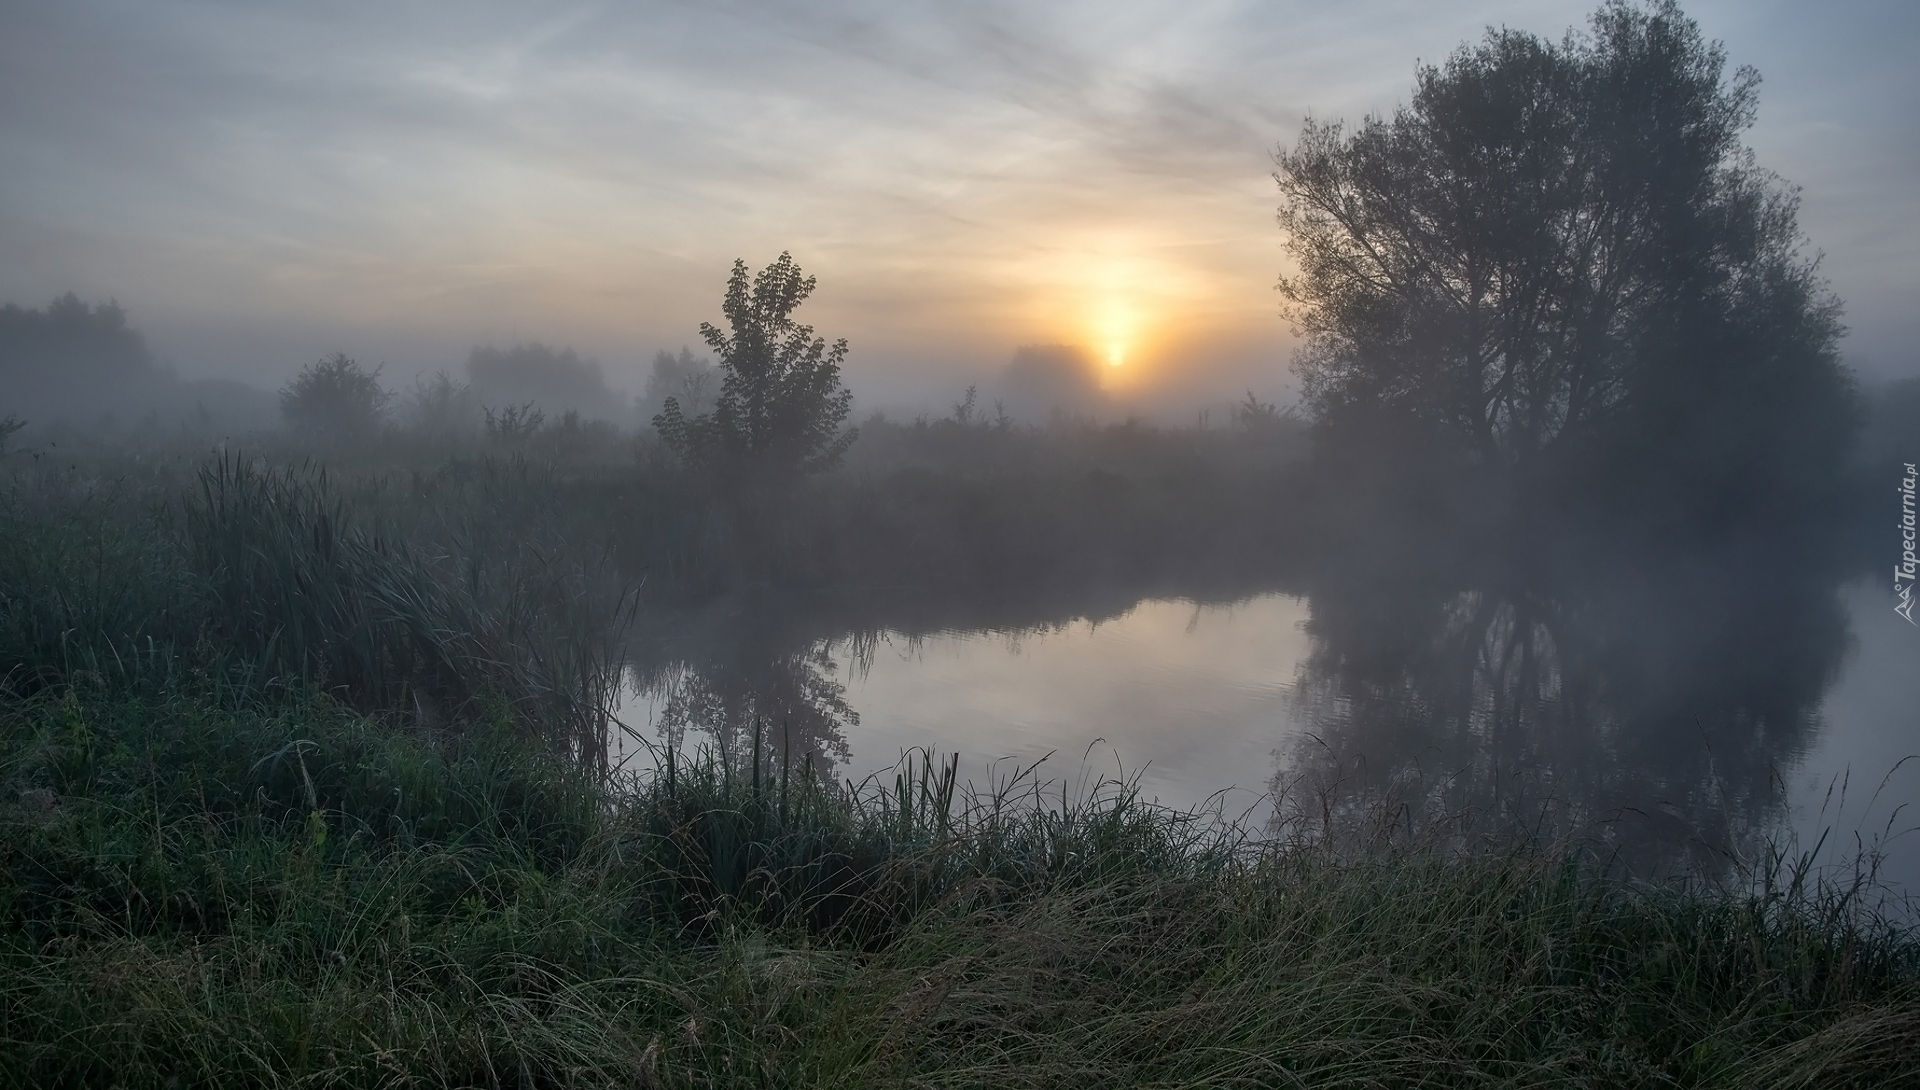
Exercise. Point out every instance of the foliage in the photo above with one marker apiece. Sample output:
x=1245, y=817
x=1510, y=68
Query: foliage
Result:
x=691, y=382
x=554, y=378
x=781, y=404
x=336, y=398
x=9, y=425
x=1561, y=253
x=441, y=408
x=75, y=362
x=515, y=423
x=1263, y=417
x=94, y=341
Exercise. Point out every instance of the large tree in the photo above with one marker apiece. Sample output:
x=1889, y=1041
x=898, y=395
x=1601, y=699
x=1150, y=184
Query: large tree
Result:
x=780, y=404
x=1562, y=254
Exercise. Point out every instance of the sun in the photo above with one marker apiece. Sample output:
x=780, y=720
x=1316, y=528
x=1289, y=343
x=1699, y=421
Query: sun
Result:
x=1117, y=294
x=1115, y=327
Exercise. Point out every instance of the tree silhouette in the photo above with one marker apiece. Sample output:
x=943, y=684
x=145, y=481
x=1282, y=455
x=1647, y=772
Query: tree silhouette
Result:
x=75, y=362
x=553, y=379
x=1560, y=256
x=691, y=382
x=335, y=397
x=781, y=404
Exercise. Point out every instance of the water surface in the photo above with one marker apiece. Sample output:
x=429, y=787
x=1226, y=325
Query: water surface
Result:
x=1687, y=722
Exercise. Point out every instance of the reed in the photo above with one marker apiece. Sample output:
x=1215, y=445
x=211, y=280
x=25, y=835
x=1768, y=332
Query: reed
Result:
x=270, y=578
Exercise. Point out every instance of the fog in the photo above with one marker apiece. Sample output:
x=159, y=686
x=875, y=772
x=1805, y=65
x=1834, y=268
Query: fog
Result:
x=1577, y=524
x=858, y=544
x=261, y=190
x=83, y=368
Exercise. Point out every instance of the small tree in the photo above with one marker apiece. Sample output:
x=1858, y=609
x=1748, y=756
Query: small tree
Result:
x=781, y=404
x=335, y=397
x=517, y=423
x=691, y=382
x=441, y=407
x=1257, y=417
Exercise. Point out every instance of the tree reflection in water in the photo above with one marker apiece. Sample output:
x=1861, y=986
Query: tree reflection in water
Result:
x=788, y=703
x=1653, y=697
x=1653, y=703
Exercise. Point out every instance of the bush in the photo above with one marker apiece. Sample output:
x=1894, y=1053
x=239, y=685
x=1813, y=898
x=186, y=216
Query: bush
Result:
x=335, y=398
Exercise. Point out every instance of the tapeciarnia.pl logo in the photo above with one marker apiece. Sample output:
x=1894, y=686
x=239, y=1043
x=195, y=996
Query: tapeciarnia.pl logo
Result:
x=1903, y=591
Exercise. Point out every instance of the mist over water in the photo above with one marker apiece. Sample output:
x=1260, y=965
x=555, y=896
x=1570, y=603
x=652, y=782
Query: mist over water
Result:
x=1684, y=730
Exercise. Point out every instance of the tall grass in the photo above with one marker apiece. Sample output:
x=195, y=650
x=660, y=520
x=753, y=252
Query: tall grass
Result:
x=93, y=586
x=267, y=577
x=298, y=591
x=293, y=895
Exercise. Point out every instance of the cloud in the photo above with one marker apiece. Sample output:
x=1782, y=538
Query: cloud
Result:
x=408, y=180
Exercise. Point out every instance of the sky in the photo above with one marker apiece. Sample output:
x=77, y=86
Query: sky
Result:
x=261, y=184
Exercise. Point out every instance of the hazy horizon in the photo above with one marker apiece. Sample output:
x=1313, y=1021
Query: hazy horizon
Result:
x=259, y=188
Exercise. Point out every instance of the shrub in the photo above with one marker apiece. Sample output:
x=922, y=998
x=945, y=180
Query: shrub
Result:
x=336, y=398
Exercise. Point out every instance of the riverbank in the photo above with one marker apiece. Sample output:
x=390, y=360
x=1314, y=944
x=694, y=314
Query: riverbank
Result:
x=209, y=891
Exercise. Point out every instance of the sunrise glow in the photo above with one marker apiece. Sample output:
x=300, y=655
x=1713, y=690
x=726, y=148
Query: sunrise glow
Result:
x=1123, y=296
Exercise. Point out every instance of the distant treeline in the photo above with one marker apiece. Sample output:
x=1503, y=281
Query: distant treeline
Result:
x=84, y=367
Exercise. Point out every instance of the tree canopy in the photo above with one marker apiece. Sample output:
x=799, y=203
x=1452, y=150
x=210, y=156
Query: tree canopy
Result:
x=554, y=379
x=689, y=381
x=781, y=403
x=1561, y=252
x=74, y=360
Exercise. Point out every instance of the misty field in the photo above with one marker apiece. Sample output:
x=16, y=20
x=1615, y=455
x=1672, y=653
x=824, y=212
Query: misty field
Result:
x=302, y=791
